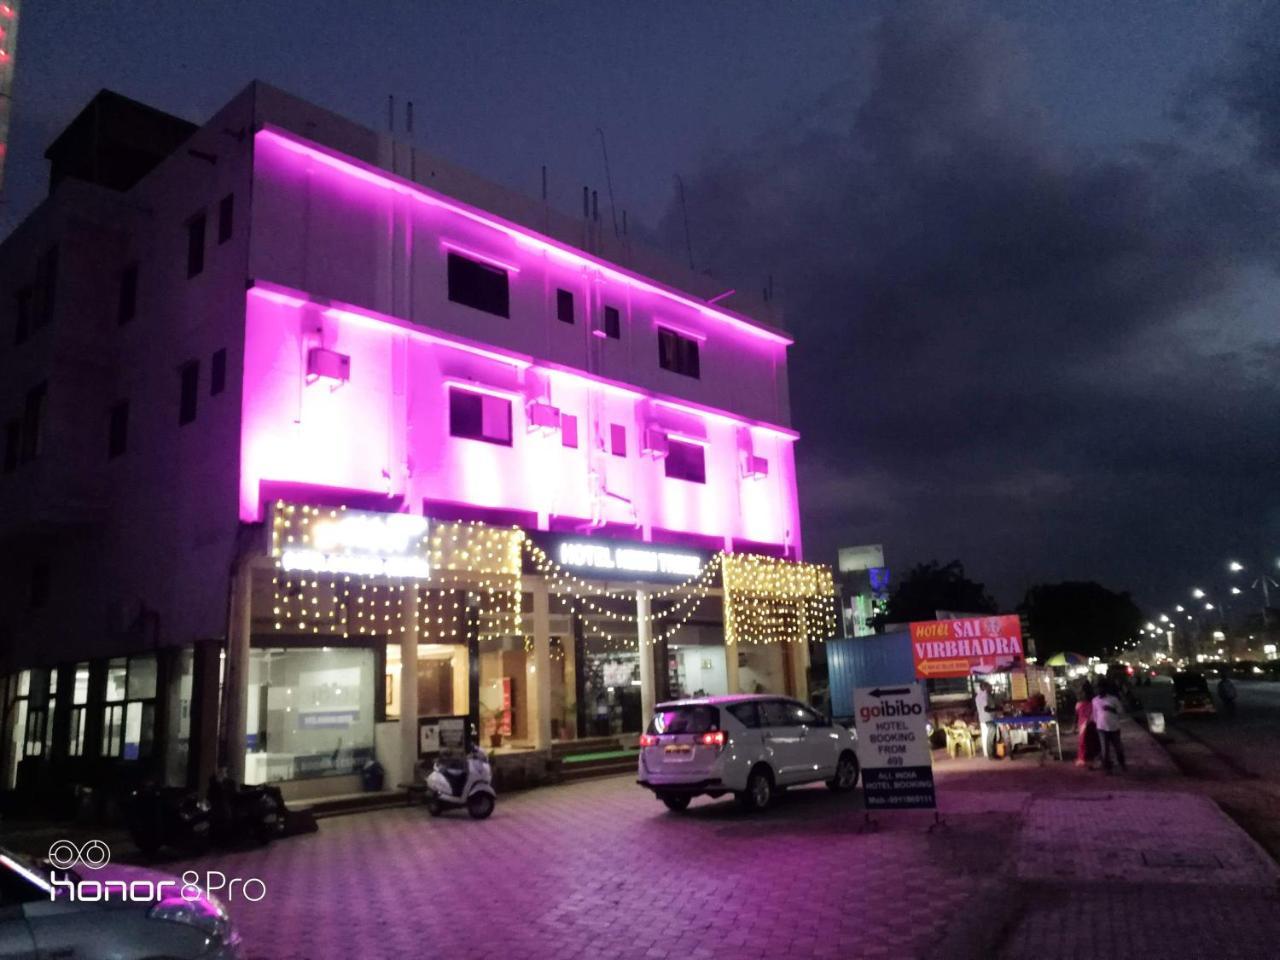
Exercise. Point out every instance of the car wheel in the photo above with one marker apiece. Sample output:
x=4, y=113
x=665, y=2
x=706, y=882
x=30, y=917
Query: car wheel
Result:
x=435, y=807
x=846, y=777
x=480, y=805
x=676, y=802
x=759, y=792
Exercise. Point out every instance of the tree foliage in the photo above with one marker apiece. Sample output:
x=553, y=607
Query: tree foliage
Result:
x=1079, y=616
x=929, y=587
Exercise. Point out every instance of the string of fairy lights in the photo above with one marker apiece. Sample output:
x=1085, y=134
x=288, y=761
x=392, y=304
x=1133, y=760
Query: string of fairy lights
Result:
x=478, y=566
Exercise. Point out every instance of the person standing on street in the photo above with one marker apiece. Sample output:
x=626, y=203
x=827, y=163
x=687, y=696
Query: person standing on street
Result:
x=986, y=718
x=1084, y=720
x=1227, y=694
x=1106, y=717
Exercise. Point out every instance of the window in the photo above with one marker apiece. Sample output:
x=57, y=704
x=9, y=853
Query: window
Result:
x=686, y=461
x=127, y=306
x=479, y=416
x=677, y=353
x=128, y=727
x=612, y=323
x=746, y=714
x=569, y=430
x=189, y=376
x=118, y=430
x=774, y=713
x=46, y=287
x=564, y=306
x=786, y=713
x=226, y=215
x=195, y=245
x=79, y=698
x=618, y=440
x=32, y=421
x=12, y=444
x=694, y=718
x=218, y=372
x=479, y=285
x=22, y=324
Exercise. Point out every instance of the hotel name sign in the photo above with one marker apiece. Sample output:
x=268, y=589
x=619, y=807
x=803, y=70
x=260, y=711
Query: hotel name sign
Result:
x=621, y=559
x=361, y=543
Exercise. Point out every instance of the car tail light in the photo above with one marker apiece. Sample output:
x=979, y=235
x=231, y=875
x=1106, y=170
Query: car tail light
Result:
x=648, y=740
x=714, y=738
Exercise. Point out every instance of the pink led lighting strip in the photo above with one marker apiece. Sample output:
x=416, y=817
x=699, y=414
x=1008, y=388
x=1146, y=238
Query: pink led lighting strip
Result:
x=387, y=181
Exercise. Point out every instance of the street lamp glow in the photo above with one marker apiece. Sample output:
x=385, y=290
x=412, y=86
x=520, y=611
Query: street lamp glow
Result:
x=1235, y=590
x=1164, y=618
x=1197, y=593
x=1208, y=606
x=1235, y=566
x=1150, y=626
x=1180, y=608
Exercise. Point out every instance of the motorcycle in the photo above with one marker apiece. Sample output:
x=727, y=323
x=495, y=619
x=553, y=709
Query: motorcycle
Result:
x=461, y=780
x=242, y=814
x=168, y=817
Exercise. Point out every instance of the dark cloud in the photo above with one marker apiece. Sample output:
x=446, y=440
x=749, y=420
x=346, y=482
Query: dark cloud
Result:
x=1048, y=361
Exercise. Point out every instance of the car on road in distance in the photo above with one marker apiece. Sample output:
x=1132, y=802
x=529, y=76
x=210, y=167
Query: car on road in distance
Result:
x=1191, y=694
x=47, y=912
x=750, y=745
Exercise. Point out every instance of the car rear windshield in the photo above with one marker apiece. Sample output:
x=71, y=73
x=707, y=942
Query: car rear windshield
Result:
x=1190, y=683
x=697, y=718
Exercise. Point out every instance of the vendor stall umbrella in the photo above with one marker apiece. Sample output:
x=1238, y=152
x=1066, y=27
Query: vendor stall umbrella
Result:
x=1066, y=659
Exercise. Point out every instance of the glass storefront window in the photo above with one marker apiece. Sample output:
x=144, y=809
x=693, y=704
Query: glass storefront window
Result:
x=142, y=678
x=442, y=680
x=310, y=712
x=117, y=680
x=505, y=692
x=79, y=697
x=128, y=721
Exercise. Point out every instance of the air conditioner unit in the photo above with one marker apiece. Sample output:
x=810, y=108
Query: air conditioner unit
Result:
x=754, y=468
x=543, y=416
x=655, y=443
x=328, y=365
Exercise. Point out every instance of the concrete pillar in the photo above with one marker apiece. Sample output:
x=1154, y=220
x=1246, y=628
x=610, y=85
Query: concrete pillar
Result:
x=538, y=673
x=236, y=678
x=644, y=644
x=732, y=682
x=798, y=652
x=408, y=686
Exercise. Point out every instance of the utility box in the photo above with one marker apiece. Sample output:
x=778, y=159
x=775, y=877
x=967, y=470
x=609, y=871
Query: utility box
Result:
x=328, y=365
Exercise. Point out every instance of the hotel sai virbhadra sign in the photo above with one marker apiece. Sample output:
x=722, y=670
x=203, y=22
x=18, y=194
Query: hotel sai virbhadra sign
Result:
x=958, y=648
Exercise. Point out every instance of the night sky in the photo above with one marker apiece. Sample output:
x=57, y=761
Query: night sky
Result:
x=1029, y=249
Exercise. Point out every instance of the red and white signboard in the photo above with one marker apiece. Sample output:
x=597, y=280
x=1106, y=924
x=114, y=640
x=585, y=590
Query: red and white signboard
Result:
x=958, y=648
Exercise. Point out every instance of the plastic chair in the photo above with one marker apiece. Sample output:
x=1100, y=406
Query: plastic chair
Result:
x=959, y=740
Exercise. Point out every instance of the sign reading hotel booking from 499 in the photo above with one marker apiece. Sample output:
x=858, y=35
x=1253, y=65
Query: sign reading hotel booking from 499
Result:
x=958, y=648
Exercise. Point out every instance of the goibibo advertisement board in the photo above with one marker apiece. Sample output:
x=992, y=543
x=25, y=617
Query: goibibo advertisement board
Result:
x=893, y=747
x=958, y=648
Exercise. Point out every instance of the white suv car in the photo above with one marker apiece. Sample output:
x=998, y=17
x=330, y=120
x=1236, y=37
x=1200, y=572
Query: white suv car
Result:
x=748, y=745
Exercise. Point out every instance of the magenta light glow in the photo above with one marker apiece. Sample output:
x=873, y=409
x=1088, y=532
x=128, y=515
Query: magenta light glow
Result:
x=386, y=432
x=387, y=181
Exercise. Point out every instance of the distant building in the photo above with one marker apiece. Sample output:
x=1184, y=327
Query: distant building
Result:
x=309, y=434
x=863, y=582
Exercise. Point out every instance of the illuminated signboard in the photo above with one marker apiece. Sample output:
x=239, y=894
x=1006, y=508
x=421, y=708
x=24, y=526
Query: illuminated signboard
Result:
x=636, y=561
x=354, y=542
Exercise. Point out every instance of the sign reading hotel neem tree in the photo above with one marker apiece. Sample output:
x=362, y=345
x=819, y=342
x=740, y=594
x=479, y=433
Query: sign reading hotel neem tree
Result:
x=893, y=747
x=621, y=559
x=958, y=648
x=356, y=542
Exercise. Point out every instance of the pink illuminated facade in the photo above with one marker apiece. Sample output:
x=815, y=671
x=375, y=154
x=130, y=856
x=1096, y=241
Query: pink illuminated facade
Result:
x=282, y=307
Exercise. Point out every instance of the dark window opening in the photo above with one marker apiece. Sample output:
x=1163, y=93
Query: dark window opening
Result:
x=612, y=323
x=32, y=422
x=479, y=286
x=12, y=444
x=195, y=245
x=569, y=430
x=617, y=440
x=22, y=323
x=226, y=217
x=218, y=372
x=686, y=461
x=118, y=430
x=189, y=376
x=564, y=306
x=479, y=416
x=127, y=306
x=677, y=353
x=46, y=287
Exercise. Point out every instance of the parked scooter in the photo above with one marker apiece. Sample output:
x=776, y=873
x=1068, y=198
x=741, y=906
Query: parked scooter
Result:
x=240, y=815
x=168, y=817
x=461, y=780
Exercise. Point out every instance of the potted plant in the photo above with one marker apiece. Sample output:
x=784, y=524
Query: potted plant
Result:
x=495, y=720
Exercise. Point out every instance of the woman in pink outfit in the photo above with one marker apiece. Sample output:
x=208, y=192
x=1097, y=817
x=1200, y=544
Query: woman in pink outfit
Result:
x=1084, y=720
